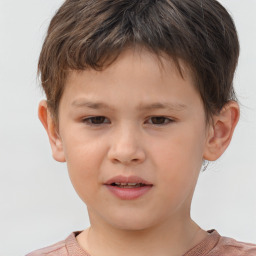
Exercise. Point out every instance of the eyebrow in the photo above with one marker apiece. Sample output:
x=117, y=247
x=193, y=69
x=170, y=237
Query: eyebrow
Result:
x=92, y=105
x=159, y=105
x=152, y=106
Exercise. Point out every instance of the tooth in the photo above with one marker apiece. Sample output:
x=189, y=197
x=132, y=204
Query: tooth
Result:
x=123, y=184
x=132, y=184
x=117, y=183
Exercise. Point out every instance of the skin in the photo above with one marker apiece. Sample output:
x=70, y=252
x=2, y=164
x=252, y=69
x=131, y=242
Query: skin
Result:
x=168, y=152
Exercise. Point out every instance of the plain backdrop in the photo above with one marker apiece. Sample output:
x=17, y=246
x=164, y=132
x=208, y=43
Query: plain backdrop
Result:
x=38, y=205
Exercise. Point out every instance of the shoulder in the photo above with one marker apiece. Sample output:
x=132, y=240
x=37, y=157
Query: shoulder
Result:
x=56, y=249
x=228, y=246
x=69, y=246
x=216, y=245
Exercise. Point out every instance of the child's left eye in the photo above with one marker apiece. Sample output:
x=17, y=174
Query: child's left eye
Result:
x=160, y=120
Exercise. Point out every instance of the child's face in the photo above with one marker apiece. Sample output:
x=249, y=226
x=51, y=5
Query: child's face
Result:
x=151, y=124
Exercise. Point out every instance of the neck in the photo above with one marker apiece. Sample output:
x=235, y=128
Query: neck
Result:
x=170, y=238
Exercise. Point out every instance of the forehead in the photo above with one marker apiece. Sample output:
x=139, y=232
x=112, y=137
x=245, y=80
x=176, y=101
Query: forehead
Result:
x=135, y=63
x=137, y=78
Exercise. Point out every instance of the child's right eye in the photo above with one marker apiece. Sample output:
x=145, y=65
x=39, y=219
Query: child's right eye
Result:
x=96, y=120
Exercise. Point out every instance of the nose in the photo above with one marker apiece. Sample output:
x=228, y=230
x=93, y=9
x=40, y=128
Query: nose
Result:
x=126, y=147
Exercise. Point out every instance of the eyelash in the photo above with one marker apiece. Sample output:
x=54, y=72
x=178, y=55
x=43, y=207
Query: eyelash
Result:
x=89, y=120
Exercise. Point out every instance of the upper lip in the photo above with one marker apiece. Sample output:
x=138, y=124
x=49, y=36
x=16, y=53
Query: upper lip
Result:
x=128, y=179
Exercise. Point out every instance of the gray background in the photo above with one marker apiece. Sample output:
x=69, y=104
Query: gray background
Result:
x=38, y=205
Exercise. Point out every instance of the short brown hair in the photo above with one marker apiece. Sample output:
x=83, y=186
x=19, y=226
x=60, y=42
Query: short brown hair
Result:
x=92, y=33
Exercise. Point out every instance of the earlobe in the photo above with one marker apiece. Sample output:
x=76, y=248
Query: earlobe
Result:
x=221, y=131
x=50, y=127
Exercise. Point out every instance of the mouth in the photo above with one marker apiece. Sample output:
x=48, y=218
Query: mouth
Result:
x=127, y=185
x=128, y=188
x=128, y=182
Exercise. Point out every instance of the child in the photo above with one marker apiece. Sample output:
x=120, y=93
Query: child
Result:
x=139, y=97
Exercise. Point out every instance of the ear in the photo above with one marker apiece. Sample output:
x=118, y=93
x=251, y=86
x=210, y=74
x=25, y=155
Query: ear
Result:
x=221, y=131
x=49, y=124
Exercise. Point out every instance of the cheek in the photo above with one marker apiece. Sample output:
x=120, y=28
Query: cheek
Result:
x=179, y=157
x=82, y=151
x=84, y=158
x=180, y=149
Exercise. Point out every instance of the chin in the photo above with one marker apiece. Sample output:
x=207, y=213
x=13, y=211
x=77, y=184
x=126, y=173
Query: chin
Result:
x=133, y=223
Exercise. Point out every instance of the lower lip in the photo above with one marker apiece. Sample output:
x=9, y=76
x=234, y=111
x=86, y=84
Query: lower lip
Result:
x=129, y=193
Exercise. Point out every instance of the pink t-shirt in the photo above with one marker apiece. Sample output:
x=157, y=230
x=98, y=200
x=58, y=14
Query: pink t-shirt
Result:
x=213, y=245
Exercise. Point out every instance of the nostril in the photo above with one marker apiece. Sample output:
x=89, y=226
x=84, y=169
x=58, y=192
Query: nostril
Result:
x=126, y=155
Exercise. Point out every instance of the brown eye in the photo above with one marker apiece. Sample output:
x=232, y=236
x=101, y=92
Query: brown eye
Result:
x=95, y=120
x=160, y=120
